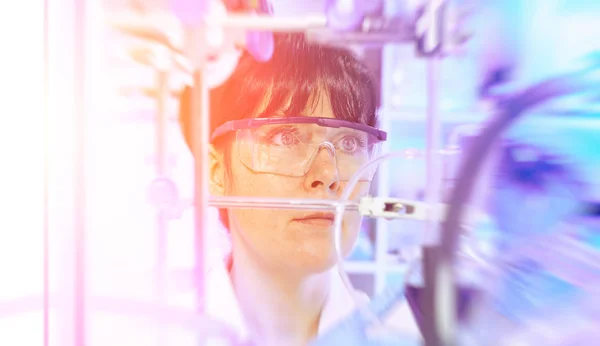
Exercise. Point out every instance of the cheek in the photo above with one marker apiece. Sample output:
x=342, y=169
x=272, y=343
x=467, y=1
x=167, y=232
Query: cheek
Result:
x=262, y=229
x=270, y=232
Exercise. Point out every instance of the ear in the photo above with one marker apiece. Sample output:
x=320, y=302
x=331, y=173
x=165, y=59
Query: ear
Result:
x=216, y=172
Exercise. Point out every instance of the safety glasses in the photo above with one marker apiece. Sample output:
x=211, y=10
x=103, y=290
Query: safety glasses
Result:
x=290, y=145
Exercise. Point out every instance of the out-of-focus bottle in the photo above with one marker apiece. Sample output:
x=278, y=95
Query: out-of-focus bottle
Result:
x=543, y=283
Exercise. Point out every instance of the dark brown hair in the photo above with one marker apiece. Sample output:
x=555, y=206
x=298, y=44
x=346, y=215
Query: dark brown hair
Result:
x=299, y=70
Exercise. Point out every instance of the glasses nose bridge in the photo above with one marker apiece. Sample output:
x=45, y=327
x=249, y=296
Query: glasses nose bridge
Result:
x=327, y=145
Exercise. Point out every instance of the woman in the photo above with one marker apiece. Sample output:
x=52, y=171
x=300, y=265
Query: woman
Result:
x=280, y=284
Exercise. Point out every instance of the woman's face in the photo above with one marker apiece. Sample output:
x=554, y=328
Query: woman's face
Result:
x=284, y=238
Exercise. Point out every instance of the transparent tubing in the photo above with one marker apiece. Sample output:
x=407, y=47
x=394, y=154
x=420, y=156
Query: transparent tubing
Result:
x=340, y=209
x=280, y=203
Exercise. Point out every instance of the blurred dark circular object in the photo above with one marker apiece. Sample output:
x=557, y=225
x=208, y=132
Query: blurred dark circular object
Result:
x=344, y=15
x=260, y=45
x=494, y=78
x=189, y=12
x=534, y=190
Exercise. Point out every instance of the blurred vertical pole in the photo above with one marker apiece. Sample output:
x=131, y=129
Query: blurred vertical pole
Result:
x=161, y=160
x=161, y=149
x=191, y=13
x=201, y=140
x=200, y=121
x=433, y=329
x=438, y=299
x=46, y=233
x=66, y=202
x=79, y=233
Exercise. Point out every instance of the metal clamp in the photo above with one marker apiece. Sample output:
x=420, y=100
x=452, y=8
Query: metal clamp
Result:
x=386, y=207
x=395, y=208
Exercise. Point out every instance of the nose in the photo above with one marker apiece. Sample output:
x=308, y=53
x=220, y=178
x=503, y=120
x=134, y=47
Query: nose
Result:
x=323, y=173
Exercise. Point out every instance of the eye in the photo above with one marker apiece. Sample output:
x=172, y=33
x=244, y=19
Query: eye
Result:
x=284, y=138
x=349, y=144
x=287, y=138
x=353, y=144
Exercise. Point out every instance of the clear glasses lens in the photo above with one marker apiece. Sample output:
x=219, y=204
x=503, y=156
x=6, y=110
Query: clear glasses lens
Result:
x=291, y=149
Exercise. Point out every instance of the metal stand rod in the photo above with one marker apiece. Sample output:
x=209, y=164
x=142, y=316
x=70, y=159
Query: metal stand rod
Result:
x=434, y=140
x=431, y=327
x=46, y=235
x=79, y=208
x=200, y=139
x=161, y=171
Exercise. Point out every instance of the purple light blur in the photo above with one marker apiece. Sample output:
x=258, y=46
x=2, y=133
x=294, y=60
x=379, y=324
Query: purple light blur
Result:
x=343, y=19
x=260, y=44
x=345, y=15
x=189, y=12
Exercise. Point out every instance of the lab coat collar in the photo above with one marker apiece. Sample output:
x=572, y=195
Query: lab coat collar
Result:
x=339, y=304
x=223, y=305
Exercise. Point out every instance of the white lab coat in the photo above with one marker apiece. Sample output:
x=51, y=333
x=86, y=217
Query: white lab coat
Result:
x=223, y=306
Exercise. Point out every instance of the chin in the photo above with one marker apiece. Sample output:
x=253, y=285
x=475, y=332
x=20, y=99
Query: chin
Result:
x=314, y=258
x=310, y=250
x=316, y=267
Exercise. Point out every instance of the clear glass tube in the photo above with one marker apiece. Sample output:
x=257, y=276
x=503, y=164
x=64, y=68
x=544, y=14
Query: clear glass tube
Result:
x=280, y=203
x=362, y=305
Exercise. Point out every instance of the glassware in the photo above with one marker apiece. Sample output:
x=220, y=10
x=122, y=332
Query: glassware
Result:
x=543, y=280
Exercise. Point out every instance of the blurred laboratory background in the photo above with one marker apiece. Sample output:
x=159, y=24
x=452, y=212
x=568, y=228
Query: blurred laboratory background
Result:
x=139, y=172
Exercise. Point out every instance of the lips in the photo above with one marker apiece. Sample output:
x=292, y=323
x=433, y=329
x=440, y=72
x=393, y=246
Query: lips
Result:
x=317, y=219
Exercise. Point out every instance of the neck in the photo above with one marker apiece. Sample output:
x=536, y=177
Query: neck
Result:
x=281, y=307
